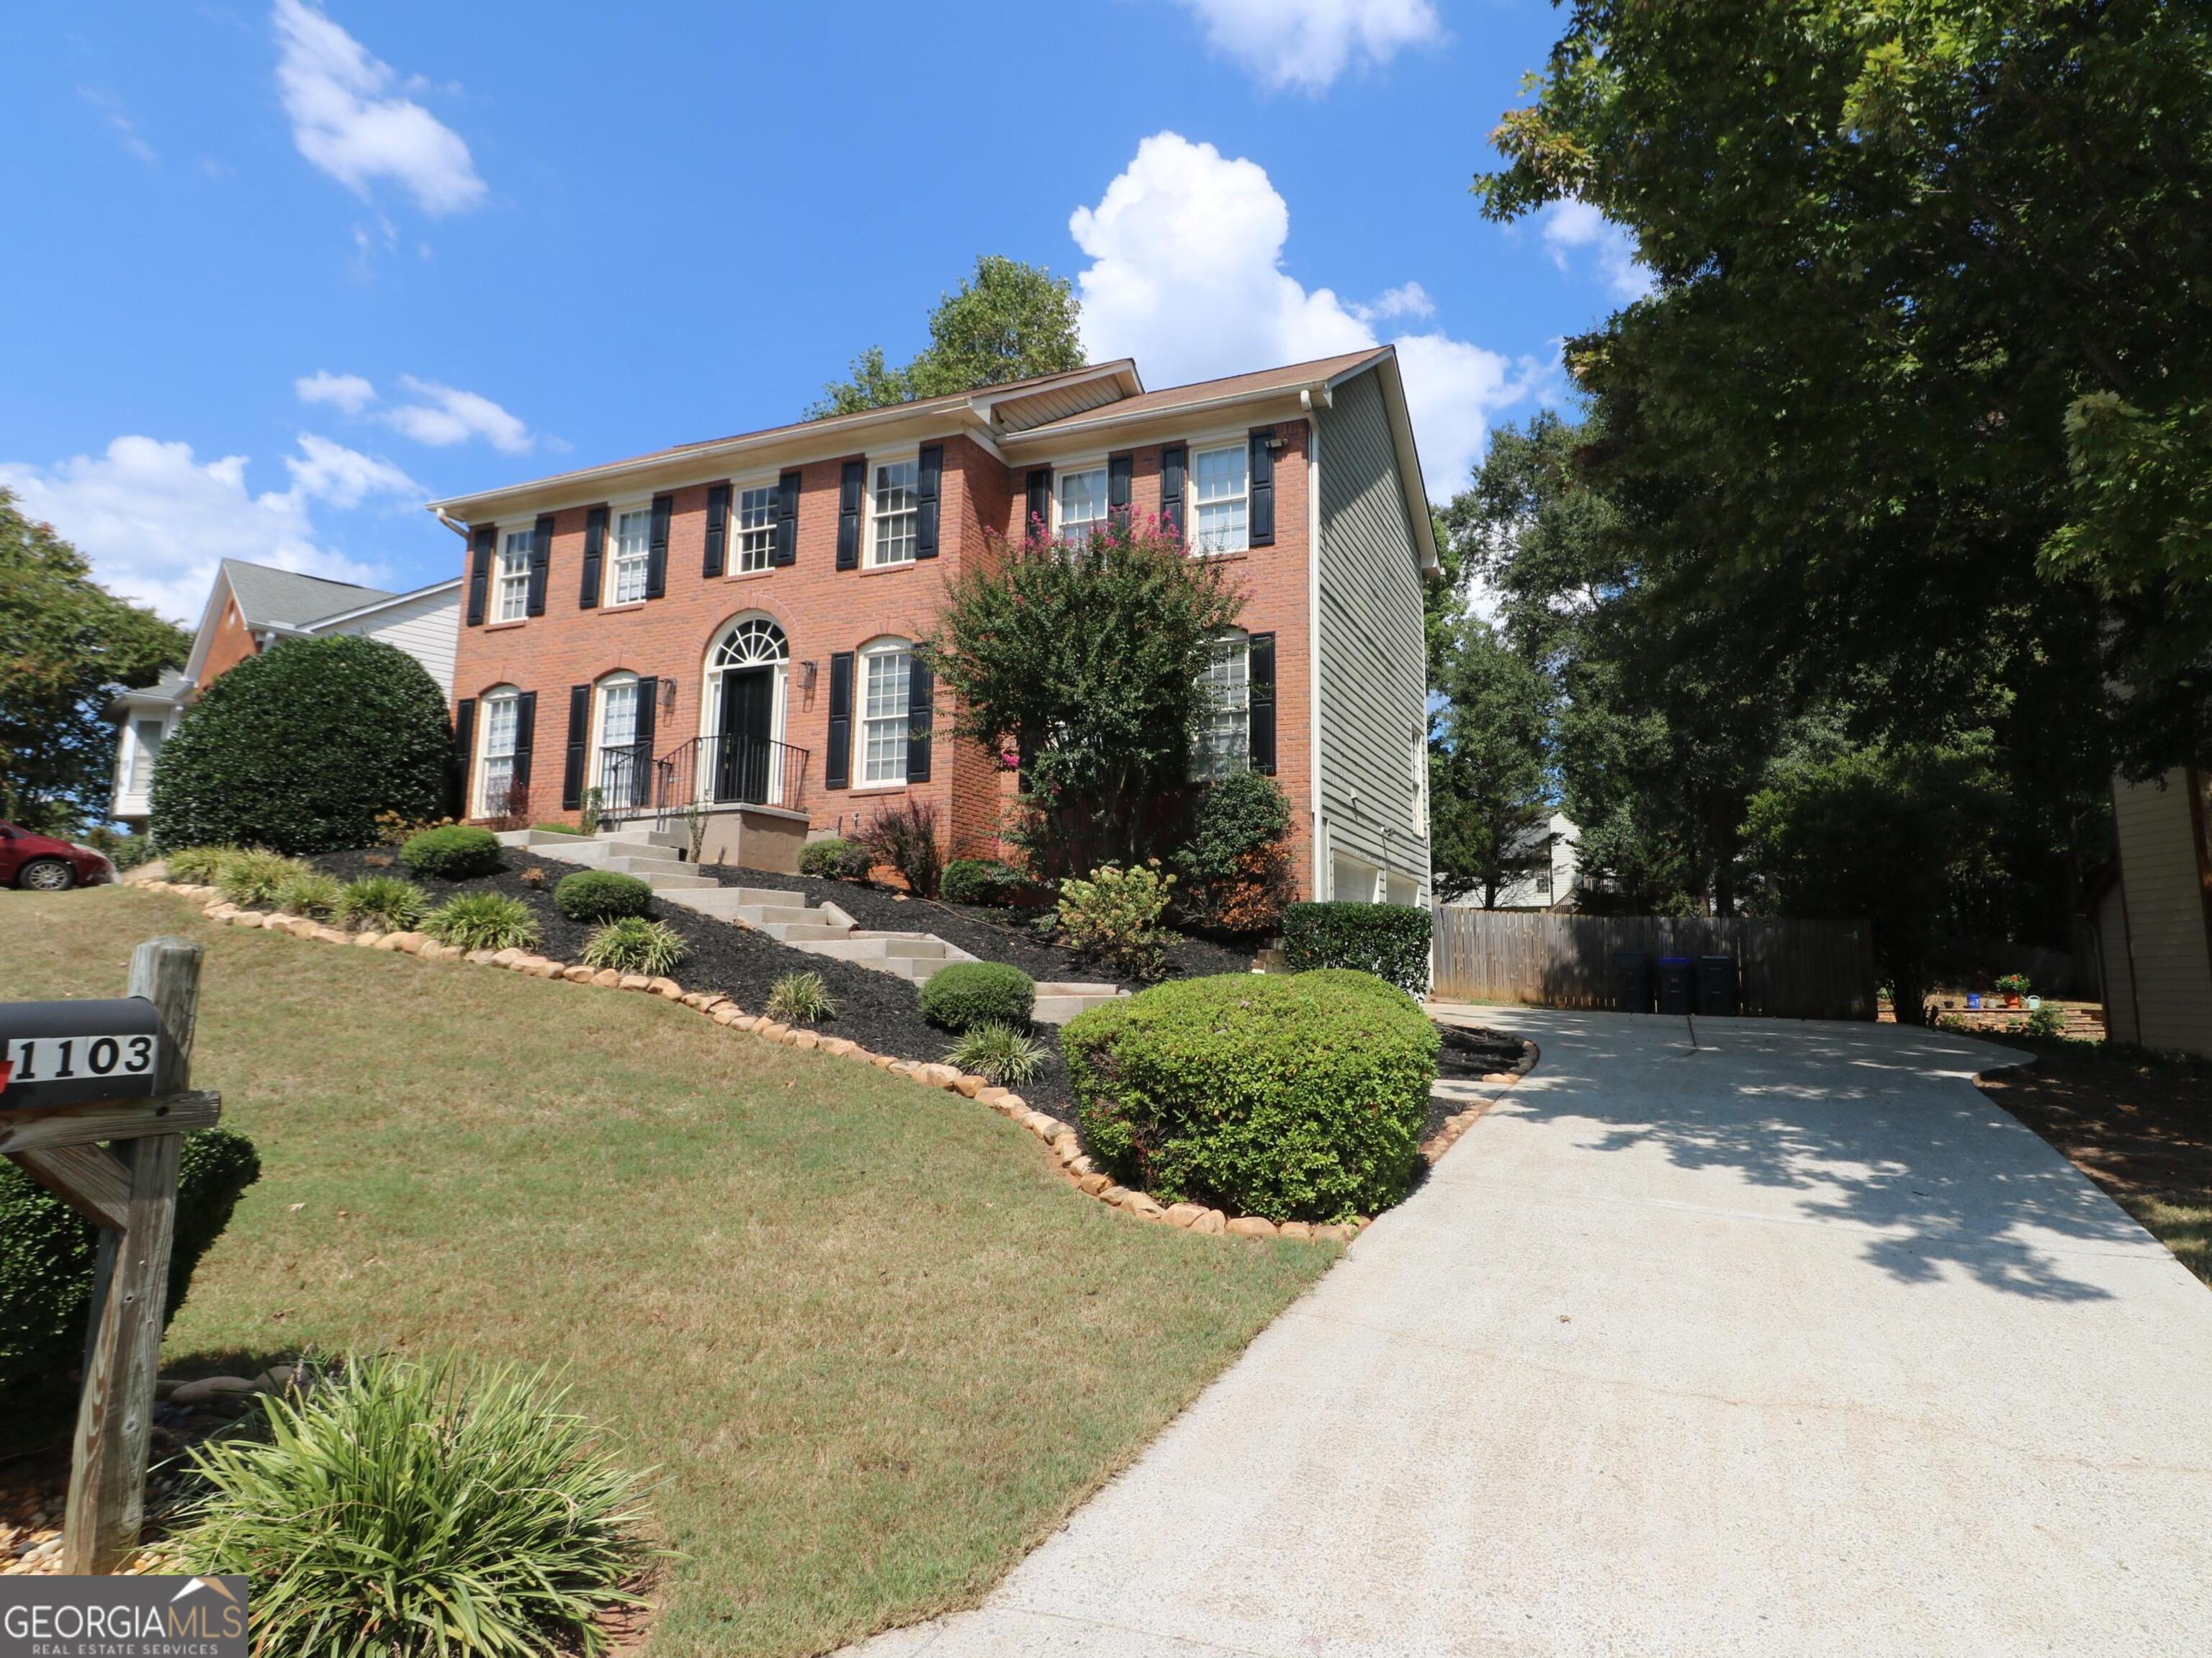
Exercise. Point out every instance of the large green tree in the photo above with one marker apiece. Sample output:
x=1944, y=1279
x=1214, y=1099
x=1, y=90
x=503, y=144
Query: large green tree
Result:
x=1490, y=785
x=66, y=646
x=1925, y=376
x=1007, y=322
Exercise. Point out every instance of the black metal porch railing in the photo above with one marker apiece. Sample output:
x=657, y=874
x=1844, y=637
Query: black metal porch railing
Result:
x=728, y=771
x=625, y=775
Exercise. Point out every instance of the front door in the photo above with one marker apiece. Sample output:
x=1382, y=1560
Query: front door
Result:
x=741, y=768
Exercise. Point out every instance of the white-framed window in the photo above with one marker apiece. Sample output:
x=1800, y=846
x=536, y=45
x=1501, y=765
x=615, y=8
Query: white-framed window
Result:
x=632, y=548
x=1082, y=502
x=758, y=506
x=896, y=514
x=886, y=718
x=497, y=726
x=1223, y=743
x=1402, y=890
x=1221, y=496
x=512, y=576
x=147, y=737
x=1353, y=879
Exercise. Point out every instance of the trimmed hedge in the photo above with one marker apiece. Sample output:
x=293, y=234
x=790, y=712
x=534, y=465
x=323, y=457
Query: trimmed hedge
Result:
x=835, y=860
x=1390, y=941
x=46, y=1255
x=453, y=851
x=1297, y=1098
x=970, y=994
x=299, y=748
x=602, y=894
x=979, y=881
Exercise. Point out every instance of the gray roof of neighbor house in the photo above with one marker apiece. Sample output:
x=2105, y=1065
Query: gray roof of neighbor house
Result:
x=285, y=599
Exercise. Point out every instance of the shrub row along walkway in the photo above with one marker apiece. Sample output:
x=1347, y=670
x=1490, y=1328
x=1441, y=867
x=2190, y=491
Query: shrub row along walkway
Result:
x=1730, y=1337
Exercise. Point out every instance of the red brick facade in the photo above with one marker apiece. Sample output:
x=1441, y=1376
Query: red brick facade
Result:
x=824, y=610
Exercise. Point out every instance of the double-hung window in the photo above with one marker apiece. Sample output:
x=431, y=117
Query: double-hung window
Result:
x=756, y=515
x=1082, y=502
x=1223, y=743
x=1219, y=484
x=897, y=513
x=618, y=769
x=633, y=547
x=887, y=686
x=513, y=576
x=500, y=726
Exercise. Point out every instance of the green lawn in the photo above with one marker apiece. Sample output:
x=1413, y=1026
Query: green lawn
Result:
x=874, y=1344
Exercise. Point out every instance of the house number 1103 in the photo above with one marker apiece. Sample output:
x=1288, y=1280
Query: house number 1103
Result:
x=62, y=1059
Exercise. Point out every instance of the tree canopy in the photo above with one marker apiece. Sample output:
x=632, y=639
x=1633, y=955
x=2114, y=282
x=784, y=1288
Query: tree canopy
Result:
x=1009, y=321
x=1490, y=788
x=66, y=646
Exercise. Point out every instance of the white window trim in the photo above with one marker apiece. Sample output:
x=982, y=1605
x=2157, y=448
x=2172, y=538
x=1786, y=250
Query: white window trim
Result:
x=1191, y=503
x=480, y=761
x=868, y=518
x=1098, y=463
x=734, y=561
x=612, y=561
x=595, y=768
x=866, y=658
x=1242, y=638
x=710, y=701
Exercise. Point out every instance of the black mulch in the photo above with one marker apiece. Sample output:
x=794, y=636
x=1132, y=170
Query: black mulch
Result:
x=876, y=1009
x=993, y=934
x=1468, y=1053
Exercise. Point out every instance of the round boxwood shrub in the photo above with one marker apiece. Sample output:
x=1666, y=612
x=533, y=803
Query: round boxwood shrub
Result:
x=835, y=859
x=970, y=994
x=1294, y=1097
x=453, y=851
x=47, y=1252
x=299, y=748
x=602, y=894
x=979, y=881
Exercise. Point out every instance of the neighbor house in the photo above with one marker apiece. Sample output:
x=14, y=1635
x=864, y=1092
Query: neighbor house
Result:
x=252, y=607
x=2153, y=911
x=733, y=622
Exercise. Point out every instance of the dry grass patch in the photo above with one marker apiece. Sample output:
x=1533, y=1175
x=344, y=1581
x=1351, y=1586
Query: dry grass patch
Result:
x=875, y=1347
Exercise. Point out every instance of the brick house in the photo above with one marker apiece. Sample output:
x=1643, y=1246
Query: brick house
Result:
x=733, y=620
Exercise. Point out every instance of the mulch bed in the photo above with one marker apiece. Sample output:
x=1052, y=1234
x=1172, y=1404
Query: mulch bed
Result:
x=876, y=1009
x=1468, y=1053
x=991, y=934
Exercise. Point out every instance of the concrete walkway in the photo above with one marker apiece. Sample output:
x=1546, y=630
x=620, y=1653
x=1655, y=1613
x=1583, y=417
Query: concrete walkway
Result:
x=1730, y=1337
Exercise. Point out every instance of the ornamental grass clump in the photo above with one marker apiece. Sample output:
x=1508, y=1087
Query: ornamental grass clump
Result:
x=309, y=892
x=253, y=876
x=800, y=998
x=999, y=1053
x=381, y=904
x=633, y=945
x=484, y=921
x=195, y=867
x=408, y=1507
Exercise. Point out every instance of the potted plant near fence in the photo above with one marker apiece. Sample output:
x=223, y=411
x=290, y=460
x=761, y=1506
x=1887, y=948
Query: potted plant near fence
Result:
x=2012, y=987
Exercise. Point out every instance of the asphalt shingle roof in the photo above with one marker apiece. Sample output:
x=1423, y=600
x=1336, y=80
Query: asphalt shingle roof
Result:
x=289, y=599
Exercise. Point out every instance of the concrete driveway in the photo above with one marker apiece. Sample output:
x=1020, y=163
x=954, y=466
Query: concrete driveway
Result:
x=1727, y=1337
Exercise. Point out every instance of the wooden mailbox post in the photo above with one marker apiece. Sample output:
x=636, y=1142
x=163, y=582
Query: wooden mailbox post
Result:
x=127, y=1188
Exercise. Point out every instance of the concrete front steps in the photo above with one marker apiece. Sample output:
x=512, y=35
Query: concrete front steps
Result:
x=654, y=857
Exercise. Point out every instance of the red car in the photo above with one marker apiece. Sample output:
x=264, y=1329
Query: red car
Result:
x=42, y=864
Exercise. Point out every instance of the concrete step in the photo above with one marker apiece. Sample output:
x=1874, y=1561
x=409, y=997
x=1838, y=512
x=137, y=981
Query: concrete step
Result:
x=626, y=864
x=1058, y=1002
x=802, y=933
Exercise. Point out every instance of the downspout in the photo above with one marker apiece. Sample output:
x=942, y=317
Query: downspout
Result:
x=1312, y=399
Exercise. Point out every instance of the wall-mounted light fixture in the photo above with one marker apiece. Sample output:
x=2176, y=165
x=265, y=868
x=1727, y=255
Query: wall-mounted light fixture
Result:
x=668, y=696
x=806, y=676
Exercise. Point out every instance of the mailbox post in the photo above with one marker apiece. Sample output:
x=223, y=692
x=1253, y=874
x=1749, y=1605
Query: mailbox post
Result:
x=72, y=1075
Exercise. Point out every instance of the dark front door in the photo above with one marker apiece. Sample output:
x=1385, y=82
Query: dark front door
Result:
x=741, y=769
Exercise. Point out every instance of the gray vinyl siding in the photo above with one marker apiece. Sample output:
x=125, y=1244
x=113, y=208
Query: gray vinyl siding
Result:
x=428, y=629
x=1374, y=690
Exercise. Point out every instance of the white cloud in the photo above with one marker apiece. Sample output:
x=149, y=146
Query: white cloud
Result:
x=155, y=522
x=1307, y=44
x=348, y=122
x=327, y=471
x=1186, y=276
x=444, y=415
x=126, y=129
x=348, y=392
x=1573, y=227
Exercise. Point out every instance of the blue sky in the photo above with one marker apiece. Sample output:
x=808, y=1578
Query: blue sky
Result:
x=283, y=272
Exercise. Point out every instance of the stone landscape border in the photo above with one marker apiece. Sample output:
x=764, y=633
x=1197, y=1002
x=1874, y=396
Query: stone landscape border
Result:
x=1075, y=1165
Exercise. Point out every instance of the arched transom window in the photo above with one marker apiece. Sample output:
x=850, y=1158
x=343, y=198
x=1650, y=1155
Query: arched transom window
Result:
x=756, y=643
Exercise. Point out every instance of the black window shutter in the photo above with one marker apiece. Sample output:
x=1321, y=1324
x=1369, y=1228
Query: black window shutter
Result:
x=1262, y=515
x=526, y=734
x=928, y=480
x=1121, y=477
x=482, y=538
x=464, y=731
x=595, y=551
x=541, y=562
x=921, y=716
x=1174, y=461
x=717, y=529
x=1260, y=670
x=641, y=749
x=787, y=520
x=837, y=764
x=656, y=552
x=1025, y=755
x=1039, y=522
x=579, y=728
x=850, y=483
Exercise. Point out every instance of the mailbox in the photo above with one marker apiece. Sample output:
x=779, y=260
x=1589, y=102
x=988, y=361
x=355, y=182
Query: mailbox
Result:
x=67, y=1053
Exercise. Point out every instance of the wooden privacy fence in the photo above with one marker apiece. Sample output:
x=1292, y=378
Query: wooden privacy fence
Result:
x=1789, y=969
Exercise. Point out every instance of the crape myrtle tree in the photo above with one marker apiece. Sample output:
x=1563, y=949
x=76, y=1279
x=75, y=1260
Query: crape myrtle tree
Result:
x=1009, y=321
x=1089, y=656
x=66, y=646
